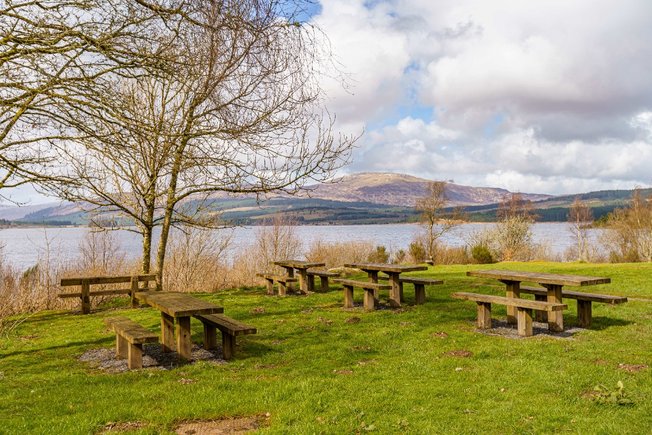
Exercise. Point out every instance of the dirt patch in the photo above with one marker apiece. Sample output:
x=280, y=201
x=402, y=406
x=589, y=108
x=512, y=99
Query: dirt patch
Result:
x=258, y=310
x=324, y=321
x=439, y=335
x=153, y=358
x=632, y=368
x=240, y=425
x=125, y=426
x=460, y=353
x=353, y=320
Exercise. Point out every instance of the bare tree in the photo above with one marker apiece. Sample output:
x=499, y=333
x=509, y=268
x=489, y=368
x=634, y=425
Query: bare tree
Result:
x=240, y=112
x=435, y=220
x=48, y=48
x=513, y=234
x=580, y=218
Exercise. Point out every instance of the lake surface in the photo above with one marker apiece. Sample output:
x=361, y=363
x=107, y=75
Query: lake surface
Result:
x=23, y=247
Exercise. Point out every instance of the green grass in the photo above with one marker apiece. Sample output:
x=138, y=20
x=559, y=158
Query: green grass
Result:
x=314, y=372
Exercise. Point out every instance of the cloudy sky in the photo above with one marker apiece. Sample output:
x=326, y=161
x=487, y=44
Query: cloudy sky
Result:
x=546, y=96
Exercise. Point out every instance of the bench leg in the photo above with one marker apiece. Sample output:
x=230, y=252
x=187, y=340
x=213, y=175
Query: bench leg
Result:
x=270, y=286
x=133, y=291
x=524, y=322
x=324, y=283
x=484, y=315
x=369, y=300
x=121, y=346
x=135, y=357
x=228, y=345
x=513, y=290
x=282, y=289
x=311, y=282
x=167, y=332
x=541, y=316
x=184, y=342
x=85, y=297
x=555, y=318
x=400, y=292
x=420, y=294
x=395, y=291
x=348, y=296
x=210, y=337
x=584, y=313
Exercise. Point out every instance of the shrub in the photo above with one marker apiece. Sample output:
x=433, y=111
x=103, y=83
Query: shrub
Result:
x=451, y=255
x=481, y=254
x=338, y=253
x=417, y=252
x=380, y=255
x=399, y=256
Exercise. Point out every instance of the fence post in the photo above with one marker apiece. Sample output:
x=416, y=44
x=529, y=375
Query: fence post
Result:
x=134, y=289
x=85, y=296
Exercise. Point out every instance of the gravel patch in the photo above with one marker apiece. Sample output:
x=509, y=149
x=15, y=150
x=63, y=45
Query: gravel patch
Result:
x=502, y=328
x=153, y=358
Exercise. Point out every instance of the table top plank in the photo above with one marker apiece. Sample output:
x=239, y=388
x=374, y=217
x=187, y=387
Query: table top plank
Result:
x=299, y=264
x=178, y=304
x=539, y=277
x=385, y=267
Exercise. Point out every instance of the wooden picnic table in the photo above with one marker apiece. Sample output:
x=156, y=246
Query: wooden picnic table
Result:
x=553, y=283
x=302, y=269
x=179, y=307
x=393, y=271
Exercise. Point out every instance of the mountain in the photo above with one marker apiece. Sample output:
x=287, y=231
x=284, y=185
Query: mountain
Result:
x=404, y=190
x=353, y=199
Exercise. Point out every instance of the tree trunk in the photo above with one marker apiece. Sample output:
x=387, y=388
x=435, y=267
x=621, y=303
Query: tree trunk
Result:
x=147, y=249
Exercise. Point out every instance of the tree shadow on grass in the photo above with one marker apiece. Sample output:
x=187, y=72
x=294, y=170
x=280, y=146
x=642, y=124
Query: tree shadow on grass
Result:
x=600, y=323
x=69, y=345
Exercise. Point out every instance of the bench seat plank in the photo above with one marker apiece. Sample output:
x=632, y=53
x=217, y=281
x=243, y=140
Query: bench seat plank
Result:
x=569, y=294
x=367, y=285
x=371, y=290
x=512, y=302
x=284, y=282
x=584, y=301
x=417, y=280
x=129, y=339
x=524, y=309
x=230, y=328
x=323, y=275
x=227, y=324
x=419, y=287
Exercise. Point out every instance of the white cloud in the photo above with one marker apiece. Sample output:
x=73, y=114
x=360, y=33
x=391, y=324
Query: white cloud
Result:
x=549, y=96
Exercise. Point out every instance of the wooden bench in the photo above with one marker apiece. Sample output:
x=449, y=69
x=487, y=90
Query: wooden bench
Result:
x=524, y=309
x=419, y=287
x=284, y=282
x=87, y=282
x=371, y=290
x=129, y=339
x=584, y=303
x=323, y=276
x=230, y=328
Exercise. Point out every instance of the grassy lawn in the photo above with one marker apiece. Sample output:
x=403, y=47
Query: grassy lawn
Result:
x=311, y=369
